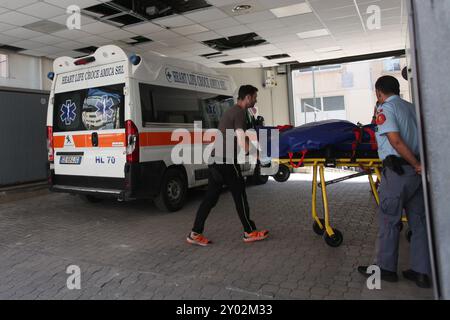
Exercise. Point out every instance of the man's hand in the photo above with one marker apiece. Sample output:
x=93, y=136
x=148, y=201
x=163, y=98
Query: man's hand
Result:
x=403, y=150
x=418, y=168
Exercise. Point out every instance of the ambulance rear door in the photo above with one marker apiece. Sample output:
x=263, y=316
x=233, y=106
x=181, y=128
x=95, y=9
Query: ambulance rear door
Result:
x=89, y=136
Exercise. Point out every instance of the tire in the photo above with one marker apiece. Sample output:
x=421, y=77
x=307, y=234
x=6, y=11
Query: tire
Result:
x=172, y=195
x=91, y=199
x=283, y=174
x=335, y=240
x=317, y=229
x=257, y=178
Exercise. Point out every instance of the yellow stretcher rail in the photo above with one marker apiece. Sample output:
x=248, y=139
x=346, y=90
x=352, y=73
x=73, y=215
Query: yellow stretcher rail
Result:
x=333, y=237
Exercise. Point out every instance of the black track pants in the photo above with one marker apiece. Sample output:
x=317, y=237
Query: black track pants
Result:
x=230, y=175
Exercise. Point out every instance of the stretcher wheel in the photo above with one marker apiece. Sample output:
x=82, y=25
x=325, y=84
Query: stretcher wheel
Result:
x=283, y=174
x=335, y=240
x=317, y=229
x=408, y=234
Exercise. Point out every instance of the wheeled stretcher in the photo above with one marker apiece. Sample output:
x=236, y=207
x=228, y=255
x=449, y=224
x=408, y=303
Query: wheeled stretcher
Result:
x=333, y=144
x=370, y=164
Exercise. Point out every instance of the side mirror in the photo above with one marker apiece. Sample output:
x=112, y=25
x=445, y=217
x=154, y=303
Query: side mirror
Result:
x=405, y=73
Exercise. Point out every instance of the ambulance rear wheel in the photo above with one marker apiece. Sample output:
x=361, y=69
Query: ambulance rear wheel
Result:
x=172, y=195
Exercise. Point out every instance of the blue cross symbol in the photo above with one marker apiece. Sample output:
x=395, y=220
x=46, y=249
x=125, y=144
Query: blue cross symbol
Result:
x=104, y=107
x=169, y=75
x=68, y=114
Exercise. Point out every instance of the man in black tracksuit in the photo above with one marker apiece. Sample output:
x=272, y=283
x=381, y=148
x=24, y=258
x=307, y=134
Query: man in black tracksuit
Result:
x=226, y=170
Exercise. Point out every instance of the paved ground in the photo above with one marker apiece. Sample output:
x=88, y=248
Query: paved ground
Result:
x=133, y=251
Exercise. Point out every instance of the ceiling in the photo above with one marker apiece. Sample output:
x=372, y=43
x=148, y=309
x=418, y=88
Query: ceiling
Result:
x=270, y=33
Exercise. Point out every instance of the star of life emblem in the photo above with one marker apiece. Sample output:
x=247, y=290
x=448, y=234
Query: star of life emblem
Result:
x=68, y=114
x=105, y=107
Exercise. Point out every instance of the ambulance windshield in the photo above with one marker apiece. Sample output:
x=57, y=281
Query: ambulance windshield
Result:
x=99, y=108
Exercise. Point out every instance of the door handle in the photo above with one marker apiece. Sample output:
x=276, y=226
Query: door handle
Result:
x=95, y=139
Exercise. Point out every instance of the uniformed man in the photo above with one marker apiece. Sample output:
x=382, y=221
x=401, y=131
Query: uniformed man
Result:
x=401, y=186
x=226, y=170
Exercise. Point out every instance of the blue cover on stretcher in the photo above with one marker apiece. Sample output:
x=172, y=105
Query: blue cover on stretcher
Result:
x=340, y=134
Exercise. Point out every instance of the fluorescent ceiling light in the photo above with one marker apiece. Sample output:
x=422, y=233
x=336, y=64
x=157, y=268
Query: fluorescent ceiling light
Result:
x=255, y=59
x=293, y=10
x=269, y=64
x=158, y=54
x=192, y=29
x=240, y=8
x=313, y=34
x=328, y=49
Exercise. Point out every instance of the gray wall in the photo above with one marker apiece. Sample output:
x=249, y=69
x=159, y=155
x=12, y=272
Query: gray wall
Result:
x=431, y=73
x=23, y=147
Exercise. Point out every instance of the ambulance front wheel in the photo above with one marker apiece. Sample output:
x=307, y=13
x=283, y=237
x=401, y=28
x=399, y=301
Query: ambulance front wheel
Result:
x=283, y=174
x=257, y=178
x=172, y=195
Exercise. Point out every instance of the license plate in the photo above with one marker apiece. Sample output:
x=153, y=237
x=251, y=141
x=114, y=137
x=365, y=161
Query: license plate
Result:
x=70, y=160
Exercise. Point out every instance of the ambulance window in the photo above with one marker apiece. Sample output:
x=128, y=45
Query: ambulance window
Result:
x=171, y=105
x=176, y=106
x=99, y=108
x=67, y=111
x=213, y=107
x=148, y=112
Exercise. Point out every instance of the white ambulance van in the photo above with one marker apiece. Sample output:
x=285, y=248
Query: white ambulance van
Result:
x=110, y=121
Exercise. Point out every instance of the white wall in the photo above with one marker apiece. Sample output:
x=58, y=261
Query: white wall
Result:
x=27, y=72
x=272, y=102
x=47, y=66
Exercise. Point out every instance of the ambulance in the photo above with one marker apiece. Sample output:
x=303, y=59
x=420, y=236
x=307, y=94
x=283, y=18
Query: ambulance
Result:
x=110, y=121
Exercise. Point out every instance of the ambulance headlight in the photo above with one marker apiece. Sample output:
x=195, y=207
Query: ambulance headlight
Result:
x=135, y=60
x=51, y=75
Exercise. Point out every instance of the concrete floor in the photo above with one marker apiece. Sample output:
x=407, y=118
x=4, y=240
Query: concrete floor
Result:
x=133, y=251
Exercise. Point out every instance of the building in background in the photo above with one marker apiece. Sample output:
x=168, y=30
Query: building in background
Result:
x=343, y=91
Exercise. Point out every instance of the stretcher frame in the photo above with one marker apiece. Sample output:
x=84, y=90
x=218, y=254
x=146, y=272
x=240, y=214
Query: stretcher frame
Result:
x=333, y=237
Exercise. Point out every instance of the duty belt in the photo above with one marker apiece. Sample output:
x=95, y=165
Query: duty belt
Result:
x=395, y=164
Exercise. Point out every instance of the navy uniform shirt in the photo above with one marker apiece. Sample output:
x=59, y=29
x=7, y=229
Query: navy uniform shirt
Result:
x=396, y=115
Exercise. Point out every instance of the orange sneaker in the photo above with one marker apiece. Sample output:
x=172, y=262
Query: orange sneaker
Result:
x=197, y=239
x=255, y=235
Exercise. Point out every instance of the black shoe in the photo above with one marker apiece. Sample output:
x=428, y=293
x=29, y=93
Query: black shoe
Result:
x=422, y=280
x=385, y=275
